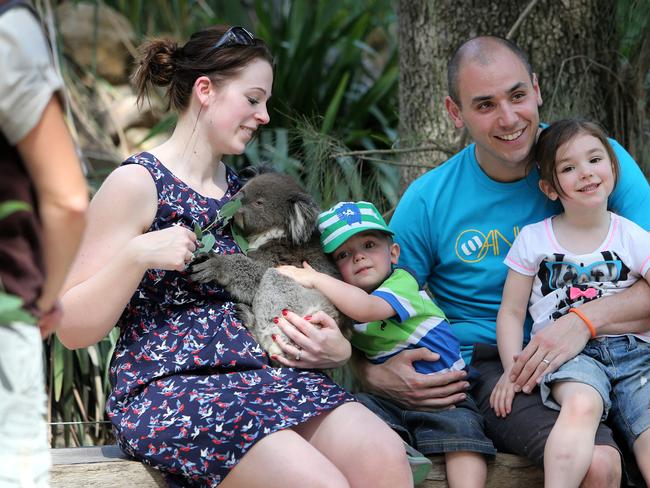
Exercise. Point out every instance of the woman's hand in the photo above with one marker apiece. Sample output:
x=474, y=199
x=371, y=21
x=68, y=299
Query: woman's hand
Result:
x=169, y=249
x=319, y=343
x=502, y=395
x=397, y=379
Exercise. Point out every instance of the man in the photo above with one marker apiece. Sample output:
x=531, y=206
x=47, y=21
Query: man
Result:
x=455, y=225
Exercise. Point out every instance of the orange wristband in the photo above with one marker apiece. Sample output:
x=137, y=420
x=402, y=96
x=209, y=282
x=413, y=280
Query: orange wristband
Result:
x=587, y=322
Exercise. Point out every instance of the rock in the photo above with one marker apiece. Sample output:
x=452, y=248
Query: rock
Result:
x=77, y=26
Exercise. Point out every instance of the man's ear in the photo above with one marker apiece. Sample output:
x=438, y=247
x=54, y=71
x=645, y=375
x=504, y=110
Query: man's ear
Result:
x=548, y=190
x=202, y=88
x=454, y=112
x=394, y=253
x=538, y=91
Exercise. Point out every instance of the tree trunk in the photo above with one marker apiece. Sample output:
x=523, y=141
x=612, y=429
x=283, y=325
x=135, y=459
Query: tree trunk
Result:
x=571, y=43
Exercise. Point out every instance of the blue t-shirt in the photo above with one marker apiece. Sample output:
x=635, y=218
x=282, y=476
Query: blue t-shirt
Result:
x=455, y=226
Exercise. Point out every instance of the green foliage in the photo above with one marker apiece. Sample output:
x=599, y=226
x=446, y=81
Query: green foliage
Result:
x=333, y=91
x=11, y=306
x=11, y=310
x=78, y=386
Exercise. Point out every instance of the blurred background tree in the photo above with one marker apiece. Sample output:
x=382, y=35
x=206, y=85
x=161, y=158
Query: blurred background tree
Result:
x=352, y=116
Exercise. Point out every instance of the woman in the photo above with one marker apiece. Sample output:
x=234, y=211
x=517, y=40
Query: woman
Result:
x=193, y=393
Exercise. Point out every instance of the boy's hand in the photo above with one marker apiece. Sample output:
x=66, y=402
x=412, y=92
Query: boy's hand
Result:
x=305, y=276
x=502, y=395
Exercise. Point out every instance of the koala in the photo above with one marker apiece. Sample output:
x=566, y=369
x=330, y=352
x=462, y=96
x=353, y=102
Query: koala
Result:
x=278, y=218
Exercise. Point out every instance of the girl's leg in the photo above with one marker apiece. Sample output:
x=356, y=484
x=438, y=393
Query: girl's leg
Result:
x=570, y=445
x=465, y=469
x=642, y=453
x=361, y=446
x=284, y=459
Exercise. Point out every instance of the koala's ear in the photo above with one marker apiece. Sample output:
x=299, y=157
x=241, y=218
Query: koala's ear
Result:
x=302, y=218
x=248, y=172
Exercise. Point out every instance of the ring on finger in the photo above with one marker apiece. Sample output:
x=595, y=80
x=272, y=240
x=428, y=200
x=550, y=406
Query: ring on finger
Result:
x=298, y=354
x=546, y=361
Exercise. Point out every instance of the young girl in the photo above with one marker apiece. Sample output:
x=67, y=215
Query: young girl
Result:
x=192, y=392
x=558, y=264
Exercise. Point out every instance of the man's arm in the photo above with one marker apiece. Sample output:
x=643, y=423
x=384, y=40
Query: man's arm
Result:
x=397, y=380
x=623, y=313
x=54, y=168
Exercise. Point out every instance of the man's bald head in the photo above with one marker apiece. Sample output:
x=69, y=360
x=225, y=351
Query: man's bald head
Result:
x=481, y=50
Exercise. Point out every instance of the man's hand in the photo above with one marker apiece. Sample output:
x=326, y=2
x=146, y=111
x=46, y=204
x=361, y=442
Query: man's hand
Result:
x=548, y=350
x=397, y=379
x=49, y=321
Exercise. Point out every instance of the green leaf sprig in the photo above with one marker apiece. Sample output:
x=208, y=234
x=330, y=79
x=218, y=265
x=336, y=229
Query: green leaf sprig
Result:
x=224, y=215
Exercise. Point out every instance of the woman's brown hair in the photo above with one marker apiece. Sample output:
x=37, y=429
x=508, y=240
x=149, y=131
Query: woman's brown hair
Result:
x=165, y=63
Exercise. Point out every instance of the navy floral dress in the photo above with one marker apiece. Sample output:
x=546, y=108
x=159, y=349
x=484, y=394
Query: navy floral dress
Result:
x=192, y=390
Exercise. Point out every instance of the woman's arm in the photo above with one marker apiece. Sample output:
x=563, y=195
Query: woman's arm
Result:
x=349, y=299
x=115, y=252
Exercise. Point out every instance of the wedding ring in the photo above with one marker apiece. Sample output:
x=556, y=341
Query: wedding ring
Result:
x=546, y=361
x=299, y=354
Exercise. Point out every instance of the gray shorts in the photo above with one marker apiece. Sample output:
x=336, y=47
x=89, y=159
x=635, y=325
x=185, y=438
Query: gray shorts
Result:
x=618, y=368
x=24, y=451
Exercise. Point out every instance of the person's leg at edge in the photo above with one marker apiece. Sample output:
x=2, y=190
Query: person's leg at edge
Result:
x=24, y=449
x=570, y=445
x=511, y=435
x=465, y=469
x=642, y=454
x=284, y=459
x=361, y=446
x=605, y=470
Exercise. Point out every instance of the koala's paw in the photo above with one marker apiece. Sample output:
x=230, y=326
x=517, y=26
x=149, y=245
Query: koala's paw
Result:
x=207, y=270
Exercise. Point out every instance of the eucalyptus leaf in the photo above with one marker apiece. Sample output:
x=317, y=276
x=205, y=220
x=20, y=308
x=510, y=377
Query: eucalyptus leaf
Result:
x=197, y=230
x=229, y=209
x=240, y=239
x=207, y=243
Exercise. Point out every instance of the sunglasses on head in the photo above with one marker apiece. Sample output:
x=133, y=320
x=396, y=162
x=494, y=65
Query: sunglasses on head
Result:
x=235, y=36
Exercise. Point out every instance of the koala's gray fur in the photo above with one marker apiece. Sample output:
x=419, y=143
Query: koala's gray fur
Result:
x=278, y=218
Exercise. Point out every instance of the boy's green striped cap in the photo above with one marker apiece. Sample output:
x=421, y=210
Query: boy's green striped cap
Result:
x=346, y=219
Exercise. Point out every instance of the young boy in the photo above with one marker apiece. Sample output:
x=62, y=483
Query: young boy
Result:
x=393, y=313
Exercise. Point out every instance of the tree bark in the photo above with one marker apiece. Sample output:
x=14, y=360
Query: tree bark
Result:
x=571, y=44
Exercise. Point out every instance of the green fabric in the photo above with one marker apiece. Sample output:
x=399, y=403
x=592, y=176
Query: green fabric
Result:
x=413, y=307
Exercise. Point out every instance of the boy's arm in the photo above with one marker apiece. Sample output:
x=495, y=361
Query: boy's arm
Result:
x=349, y=299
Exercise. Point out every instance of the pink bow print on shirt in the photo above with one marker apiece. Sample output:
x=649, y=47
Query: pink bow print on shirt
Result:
x=575, y=293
